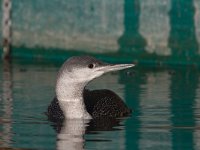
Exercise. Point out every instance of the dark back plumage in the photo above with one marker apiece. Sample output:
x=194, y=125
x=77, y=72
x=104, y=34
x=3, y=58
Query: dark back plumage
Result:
x=105, y=103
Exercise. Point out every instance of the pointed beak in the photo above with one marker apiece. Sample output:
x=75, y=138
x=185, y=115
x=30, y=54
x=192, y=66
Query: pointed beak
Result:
x=114, y=67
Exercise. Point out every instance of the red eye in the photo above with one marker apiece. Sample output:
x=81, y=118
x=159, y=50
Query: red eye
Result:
x=91, y=66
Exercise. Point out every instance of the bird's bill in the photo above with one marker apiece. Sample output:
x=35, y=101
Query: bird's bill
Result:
x=114, y=67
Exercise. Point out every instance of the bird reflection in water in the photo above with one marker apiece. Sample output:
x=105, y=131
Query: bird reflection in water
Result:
x=71, y=132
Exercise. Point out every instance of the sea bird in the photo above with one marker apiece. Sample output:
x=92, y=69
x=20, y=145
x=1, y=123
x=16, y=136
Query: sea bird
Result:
x=74, y=101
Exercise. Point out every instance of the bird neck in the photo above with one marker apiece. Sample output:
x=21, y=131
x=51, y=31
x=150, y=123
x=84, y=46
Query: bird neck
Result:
x=69, y=91
x=70, y=96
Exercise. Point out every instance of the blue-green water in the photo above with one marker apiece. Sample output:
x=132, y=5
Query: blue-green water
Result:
x=166, y=104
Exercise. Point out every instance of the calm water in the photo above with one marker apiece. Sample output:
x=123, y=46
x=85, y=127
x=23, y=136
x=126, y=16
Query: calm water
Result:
x=166, y=104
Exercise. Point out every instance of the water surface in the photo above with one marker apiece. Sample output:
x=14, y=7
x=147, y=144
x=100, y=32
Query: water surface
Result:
x=166, y=104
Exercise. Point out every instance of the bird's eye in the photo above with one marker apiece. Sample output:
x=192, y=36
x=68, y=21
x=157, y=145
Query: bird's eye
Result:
x=91, y=66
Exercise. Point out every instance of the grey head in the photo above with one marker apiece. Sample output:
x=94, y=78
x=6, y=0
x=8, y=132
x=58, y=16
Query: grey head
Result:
x=72, y=78
x=86, y=68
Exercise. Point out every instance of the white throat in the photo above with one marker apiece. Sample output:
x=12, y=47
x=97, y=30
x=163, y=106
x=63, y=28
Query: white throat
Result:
x=69, y=93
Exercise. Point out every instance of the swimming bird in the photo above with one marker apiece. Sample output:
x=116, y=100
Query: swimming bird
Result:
x=73, y=100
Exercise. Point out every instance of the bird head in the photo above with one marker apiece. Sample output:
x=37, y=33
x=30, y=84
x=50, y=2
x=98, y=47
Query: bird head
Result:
x=87, y=68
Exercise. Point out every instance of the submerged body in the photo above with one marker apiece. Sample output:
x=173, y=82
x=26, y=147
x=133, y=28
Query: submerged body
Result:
x=74, y=101
x=98, y=103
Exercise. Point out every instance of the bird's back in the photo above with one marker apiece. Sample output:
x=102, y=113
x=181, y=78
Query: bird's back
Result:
x=105, y=103
x=98, y=103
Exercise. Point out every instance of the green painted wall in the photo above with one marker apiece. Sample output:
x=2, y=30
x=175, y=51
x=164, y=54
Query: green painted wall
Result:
x=147, y=31
x=93, y=26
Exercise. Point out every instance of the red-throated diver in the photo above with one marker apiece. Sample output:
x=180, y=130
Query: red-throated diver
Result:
x=74, y=101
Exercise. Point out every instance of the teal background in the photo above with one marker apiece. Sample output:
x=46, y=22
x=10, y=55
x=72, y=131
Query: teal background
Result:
x=144, y=31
